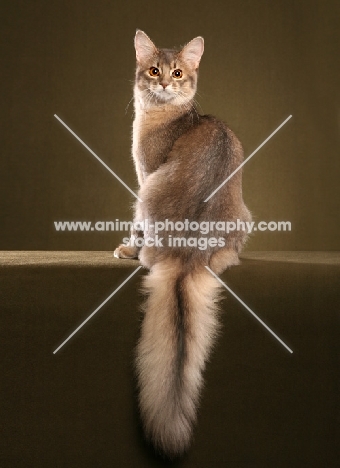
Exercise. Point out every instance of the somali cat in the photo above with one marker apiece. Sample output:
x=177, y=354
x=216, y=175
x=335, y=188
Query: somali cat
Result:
x=180, y=158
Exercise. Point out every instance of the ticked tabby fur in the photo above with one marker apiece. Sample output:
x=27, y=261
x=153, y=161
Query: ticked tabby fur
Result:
x=180, y=158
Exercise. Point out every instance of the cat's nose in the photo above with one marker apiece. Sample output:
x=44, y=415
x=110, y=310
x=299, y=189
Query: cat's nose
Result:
x=164, y=84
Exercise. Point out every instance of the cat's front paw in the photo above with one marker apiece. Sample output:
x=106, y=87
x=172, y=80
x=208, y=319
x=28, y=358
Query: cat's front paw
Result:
x=124, y=251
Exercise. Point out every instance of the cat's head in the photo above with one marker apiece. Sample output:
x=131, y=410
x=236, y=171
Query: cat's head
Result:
x=166, y=75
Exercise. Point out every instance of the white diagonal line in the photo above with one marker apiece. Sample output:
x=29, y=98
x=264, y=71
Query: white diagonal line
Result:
x=249, y=310
x=246, y=160
x=98, y=158
x=101, y=305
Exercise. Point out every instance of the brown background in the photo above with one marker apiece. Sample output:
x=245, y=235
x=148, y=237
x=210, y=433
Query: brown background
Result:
x=263, y=61
x=261, y=407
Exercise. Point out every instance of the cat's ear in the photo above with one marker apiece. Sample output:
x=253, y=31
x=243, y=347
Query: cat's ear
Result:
x=145, y=48
x=193, y=51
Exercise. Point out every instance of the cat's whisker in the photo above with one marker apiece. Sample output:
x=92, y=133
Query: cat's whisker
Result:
x=198, y=105
x=152, y=96
x=184, y=102
x=126, y=108
x=147, y=99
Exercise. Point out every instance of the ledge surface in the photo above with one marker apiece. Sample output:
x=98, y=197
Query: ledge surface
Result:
x=105, y=258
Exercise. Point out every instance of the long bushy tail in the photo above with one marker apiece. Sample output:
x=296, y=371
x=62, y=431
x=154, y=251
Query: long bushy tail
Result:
x=178, y=330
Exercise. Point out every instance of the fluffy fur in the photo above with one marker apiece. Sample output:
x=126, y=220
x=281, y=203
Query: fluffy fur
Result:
x=177, y=333
x=180, y=158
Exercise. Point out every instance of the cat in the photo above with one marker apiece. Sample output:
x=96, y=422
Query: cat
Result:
x=180, y=157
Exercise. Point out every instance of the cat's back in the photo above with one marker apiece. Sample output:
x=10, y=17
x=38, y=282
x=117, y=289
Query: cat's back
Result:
x=200, y=160
x=209, y=141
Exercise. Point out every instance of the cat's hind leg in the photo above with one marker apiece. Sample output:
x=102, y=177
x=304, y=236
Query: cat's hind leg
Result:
x=222, y=259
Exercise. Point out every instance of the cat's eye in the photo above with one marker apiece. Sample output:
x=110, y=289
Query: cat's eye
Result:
x=177, y=73
x=154, y=71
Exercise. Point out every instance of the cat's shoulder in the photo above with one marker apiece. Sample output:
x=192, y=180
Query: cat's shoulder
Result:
x=216, y=126
x=213, y=122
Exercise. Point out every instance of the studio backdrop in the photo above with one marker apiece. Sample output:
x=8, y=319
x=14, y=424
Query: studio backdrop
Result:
x=263, y=62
